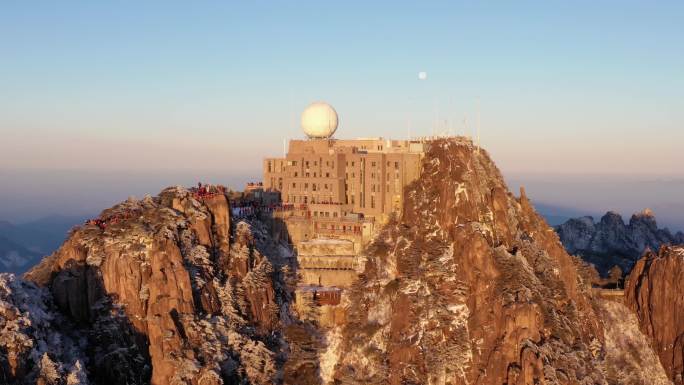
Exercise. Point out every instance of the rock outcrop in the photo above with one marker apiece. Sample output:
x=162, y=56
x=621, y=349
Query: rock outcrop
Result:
x=469, y=286
x=655, y=292
x=611, y=242
x=163, y=297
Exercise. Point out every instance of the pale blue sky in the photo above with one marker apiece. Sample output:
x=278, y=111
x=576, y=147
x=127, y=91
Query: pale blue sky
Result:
x=566, y=87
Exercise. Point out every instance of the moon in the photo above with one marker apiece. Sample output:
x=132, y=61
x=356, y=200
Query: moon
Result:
x=422, y=75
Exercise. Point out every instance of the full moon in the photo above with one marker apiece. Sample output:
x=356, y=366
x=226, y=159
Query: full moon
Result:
x=422, y=75
x=319, y=120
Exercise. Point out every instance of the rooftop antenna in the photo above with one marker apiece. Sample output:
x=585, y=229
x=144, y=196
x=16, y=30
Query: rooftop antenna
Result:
x=408, y=127
x=452, y=127
x=293, y=118
x=478, y=124
x=435, y=123
x=465, y=124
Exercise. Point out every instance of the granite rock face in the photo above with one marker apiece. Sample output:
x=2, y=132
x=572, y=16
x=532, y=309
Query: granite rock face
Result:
x=655, y=292
x=611, y=242
x=161, y=295
x=469, y=286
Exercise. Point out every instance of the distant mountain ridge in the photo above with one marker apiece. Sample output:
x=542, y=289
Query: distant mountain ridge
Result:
x=15, y=257
x=23, y=245
x=611, y=241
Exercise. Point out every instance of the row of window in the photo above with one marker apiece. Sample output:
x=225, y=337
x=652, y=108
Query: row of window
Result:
x=325, y=214
x=308, y=175
x=331, y=226
x=314, y=186
x=315, y=163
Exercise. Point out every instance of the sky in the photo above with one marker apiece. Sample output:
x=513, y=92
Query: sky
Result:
x=128, y=96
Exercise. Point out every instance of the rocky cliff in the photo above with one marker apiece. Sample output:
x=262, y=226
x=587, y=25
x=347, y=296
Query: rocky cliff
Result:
x=155, y=292
x=469, y=286
x=655, y=291
x=611, y=242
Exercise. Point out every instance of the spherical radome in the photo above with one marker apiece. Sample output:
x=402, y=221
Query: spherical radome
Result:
x=319, y=120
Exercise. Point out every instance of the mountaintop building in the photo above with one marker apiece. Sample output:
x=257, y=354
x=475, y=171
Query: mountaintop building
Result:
x=340, y=186
x=334, y=195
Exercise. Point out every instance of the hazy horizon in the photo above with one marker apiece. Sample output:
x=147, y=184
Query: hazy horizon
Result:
x=125, y=98
x=29, y=195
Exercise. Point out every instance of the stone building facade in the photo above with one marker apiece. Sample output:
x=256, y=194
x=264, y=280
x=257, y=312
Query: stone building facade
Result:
x=334, y=195
x=340, y=185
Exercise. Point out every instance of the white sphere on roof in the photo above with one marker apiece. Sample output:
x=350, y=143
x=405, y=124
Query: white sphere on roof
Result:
x=319, y=120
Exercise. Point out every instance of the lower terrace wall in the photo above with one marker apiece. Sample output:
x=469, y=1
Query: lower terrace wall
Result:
x=327, y=277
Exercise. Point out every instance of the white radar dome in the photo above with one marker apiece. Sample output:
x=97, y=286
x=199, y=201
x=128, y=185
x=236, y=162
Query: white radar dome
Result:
x=319, y=120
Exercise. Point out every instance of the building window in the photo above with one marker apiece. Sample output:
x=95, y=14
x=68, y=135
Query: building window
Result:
x=313, y=186
x=327, y=175
x=396, y=164
x=294, y=185
x=307, y=163
x=295, y=174
x=372, y=201
x=314, y=175
x=306, y=186
x=325, y=186
x=372, y=164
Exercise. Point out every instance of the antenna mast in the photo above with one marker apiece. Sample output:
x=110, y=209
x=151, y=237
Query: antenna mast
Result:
x=465, y=124
x=478, y=124
x=408, y=128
